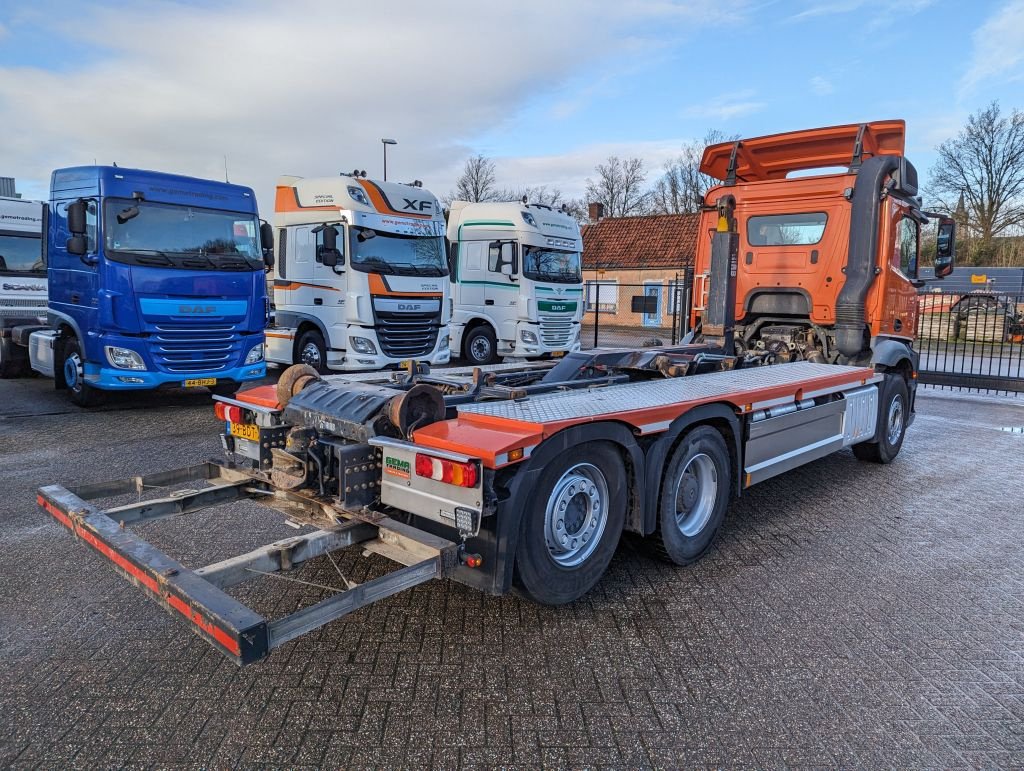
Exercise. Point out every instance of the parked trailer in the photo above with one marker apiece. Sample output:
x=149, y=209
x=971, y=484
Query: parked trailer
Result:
x=529, y=477
x=526, y=475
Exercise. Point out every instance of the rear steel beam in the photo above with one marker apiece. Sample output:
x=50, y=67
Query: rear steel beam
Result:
x=286, y=554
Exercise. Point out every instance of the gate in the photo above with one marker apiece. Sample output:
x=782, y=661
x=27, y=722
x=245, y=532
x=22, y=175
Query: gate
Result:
x=972, y=340
x=655, y=312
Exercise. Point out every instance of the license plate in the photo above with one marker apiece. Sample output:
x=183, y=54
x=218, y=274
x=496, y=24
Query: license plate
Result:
x=198, y=382
x=248, y=431
x=557, y=354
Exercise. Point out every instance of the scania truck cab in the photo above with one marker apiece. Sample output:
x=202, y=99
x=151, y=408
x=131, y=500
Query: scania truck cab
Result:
x=22, y=278
x=360, y=281
x=154, y=280
x=517, y=282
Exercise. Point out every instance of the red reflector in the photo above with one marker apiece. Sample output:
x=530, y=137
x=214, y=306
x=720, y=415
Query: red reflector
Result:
x=234, y=413
x=473, y=560
x=424, y=466
x=219, y=411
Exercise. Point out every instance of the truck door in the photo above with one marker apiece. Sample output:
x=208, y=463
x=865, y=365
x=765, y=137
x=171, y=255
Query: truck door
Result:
x=472, y=275
x=502, y=292
x=328, y=296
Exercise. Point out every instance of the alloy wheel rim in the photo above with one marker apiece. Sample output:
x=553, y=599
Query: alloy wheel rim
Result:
x=311, y=355
x=696, y=492
x=895, y=420
x=576, y=515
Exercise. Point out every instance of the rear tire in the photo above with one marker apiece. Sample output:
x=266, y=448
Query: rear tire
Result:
x=312, y=350
x=73, y=368
x=481, y=346
x=571, y=524
x=893, y=413
x=694, y=497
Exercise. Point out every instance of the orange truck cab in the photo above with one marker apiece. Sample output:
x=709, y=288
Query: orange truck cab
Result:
x=822, y=262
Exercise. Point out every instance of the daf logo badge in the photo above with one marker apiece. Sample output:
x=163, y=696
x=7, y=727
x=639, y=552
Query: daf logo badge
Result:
x=187, y=309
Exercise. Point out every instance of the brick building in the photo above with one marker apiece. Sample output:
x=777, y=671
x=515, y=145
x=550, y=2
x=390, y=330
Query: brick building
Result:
x=626, y=258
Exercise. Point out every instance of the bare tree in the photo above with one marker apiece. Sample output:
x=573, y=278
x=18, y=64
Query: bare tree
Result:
x=476, y=183
x=542, y=194
x=620, y=187
x=682, y=187
x=984, y=164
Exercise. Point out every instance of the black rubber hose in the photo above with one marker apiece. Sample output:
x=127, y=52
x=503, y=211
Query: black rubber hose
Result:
x=865, y=215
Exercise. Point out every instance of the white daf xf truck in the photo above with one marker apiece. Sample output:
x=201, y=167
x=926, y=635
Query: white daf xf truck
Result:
x=360, y=278
x=22, y=279
x=517, y=280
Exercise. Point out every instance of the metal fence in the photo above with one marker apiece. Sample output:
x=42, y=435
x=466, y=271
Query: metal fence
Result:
x=655, y=312
x=972, y=340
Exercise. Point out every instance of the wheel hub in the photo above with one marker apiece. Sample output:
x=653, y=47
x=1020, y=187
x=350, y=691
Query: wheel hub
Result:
x=311, y=355
x=576, y=514
x=895, y=420
x=696, y=494
x=480, y=348
x=73, y=373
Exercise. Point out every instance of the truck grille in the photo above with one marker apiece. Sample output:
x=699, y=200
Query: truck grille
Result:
x=406, y=335
x=556, y=331
x=199, y=348
x=20, y=308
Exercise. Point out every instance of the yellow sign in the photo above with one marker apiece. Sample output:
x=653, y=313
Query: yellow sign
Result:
x=200, y=381
x=979, y=278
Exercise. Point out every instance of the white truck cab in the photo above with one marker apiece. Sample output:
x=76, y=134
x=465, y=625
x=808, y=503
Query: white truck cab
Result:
x=22, y=278
x=517, y=283
x=360, y=277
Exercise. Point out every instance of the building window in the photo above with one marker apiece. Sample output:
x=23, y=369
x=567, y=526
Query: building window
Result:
x=603, y=296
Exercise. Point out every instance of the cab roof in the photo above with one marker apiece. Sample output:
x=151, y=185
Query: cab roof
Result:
x=777, y=155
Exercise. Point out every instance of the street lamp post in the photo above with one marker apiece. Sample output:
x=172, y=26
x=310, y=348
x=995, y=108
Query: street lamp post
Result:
x=387, y=142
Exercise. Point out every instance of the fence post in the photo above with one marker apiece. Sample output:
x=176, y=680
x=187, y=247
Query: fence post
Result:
x=597, y=310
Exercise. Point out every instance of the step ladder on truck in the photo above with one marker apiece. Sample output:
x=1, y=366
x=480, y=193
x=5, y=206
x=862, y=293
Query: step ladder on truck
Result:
x=526, y=475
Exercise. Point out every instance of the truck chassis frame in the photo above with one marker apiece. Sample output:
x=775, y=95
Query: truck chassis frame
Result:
x=198, y=595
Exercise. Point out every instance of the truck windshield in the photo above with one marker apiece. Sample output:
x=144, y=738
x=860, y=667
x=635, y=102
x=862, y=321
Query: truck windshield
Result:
x=180, y=236
x=378, y=251
x=540, y=264
x=21, y=253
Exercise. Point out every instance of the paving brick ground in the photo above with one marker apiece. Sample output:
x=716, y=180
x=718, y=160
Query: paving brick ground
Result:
x=850, y=615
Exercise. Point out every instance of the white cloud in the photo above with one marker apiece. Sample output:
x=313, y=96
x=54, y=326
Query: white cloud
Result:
x=4, y=32
x=998, y=48
x=725, y=107
x=821, y=86
x=876, y=12
x=568, y=171
x=304, y=88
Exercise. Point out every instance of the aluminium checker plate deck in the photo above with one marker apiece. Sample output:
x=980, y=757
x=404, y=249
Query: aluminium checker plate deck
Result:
x=757, y=386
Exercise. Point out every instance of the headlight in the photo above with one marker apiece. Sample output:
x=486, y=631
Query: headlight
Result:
x=444, y=343
x=527, y=336
x=363, y=345
x=124, y=358
x=255, y=354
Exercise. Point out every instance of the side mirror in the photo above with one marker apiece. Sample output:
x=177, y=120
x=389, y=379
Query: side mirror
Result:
x=945, y=248
x=506, y=269
x=329, y=257
x=77, y=245
x=267, y=244
x=76, y=219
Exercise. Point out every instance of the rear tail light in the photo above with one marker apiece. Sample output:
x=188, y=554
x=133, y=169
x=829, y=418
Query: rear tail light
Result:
x=451, y=472
x=229, y=412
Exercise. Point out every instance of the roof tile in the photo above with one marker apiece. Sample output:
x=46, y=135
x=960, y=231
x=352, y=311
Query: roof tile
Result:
x=651, y=242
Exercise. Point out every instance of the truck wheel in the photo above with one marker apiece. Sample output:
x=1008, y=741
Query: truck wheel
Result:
x=893, y=412
x=313, y=351
x=571, y=524
x=481, y=346
x=73, y=368
x=694, y=497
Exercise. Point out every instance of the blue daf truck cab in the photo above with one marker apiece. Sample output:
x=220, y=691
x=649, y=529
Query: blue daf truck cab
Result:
x=155, y=280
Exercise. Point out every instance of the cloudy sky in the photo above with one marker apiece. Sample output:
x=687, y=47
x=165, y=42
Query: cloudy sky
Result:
x=547, y=89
